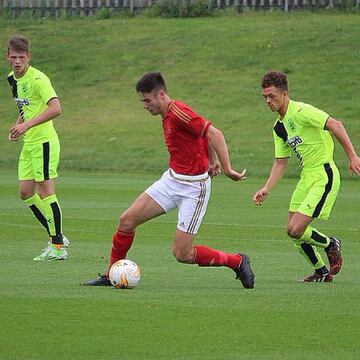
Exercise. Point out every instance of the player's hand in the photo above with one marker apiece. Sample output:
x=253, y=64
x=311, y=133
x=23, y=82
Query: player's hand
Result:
x=214, y=169
x=260, y=196
x=234, y=175
x=17, y=130
x=354, y=165
x=12, y=138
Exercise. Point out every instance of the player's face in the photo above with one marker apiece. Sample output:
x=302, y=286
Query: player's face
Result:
x=19, y=62
x=274, y=97
x=153, y=101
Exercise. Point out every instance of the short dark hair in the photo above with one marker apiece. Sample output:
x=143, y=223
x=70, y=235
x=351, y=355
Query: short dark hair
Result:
x=275, y=78
x=151, y=81
x=19, y=44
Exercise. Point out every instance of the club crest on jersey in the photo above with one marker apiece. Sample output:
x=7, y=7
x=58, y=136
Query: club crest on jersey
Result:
x=292, y=125
x=294, y=142
x=22, y=102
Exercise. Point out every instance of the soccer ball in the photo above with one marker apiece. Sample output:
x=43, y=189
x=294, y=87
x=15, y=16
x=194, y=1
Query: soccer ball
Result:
x=124, y=274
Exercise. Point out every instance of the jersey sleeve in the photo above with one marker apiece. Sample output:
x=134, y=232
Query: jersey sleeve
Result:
x=44, y=88
x=282, y=150
x=190, y=121
x=309, y=115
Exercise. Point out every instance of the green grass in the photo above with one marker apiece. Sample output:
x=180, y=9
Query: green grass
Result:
x=178, y=311
x=214, y=64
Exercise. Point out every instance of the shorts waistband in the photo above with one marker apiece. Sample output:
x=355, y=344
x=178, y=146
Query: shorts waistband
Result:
x=188, y=178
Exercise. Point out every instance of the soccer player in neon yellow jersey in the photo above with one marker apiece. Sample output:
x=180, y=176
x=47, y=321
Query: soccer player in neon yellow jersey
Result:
x=37, y=104
x=306, y=131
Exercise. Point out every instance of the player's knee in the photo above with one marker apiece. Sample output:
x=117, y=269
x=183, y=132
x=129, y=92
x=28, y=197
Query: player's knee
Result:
x=43, y=194
x=294, y=231
x=23, y=194
x=127, y=222
x=182, y=256
x=181, y=259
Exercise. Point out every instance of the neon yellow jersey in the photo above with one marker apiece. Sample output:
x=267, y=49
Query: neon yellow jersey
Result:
x=302, y=132
x=31, y=93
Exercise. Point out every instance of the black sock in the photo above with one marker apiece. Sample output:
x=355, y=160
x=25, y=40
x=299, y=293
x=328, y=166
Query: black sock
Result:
x=57, y=240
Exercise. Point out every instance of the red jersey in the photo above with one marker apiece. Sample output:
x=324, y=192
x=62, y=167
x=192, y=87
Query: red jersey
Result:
x=186, y=140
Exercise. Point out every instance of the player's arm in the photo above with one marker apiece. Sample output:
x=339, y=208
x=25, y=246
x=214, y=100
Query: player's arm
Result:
x=18, y=121
x=217, y=142
x=276, y=173
x=214, y=163
x=338, y=130
x=53, y=110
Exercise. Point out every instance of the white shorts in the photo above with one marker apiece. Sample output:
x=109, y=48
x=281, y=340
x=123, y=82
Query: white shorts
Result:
x=190, y=194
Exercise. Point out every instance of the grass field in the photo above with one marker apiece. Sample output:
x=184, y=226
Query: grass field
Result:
x=177, y=311
x=213, y=64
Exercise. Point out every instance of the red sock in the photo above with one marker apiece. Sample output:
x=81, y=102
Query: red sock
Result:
x=205, y=256
x=120, y=246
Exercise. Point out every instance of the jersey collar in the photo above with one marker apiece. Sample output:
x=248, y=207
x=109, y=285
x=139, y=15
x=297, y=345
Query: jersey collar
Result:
x=25, y=74
x=290, y=104
x=171, y=103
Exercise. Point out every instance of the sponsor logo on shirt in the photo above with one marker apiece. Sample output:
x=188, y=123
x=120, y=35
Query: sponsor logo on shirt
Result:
x=293, y=142
x=22, y=102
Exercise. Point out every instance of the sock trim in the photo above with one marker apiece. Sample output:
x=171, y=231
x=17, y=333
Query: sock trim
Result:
x=57, y=217
x=37, y=213
x=310, y=253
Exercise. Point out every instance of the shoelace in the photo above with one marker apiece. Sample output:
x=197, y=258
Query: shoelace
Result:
x=46, y=251
x=48, y=248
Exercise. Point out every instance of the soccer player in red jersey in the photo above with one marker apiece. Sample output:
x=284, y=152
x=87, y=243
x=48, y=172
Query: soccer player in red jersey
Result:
x=197, y=151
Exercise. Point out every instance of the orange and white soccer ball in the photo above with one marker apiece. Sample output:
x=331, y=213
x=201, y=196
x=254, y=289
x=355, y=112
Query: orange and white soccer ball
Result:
x=124, y=274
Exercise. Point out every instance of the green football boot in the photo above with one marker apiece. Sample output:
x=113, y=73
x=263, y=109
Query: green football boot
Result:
x=52, y=253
